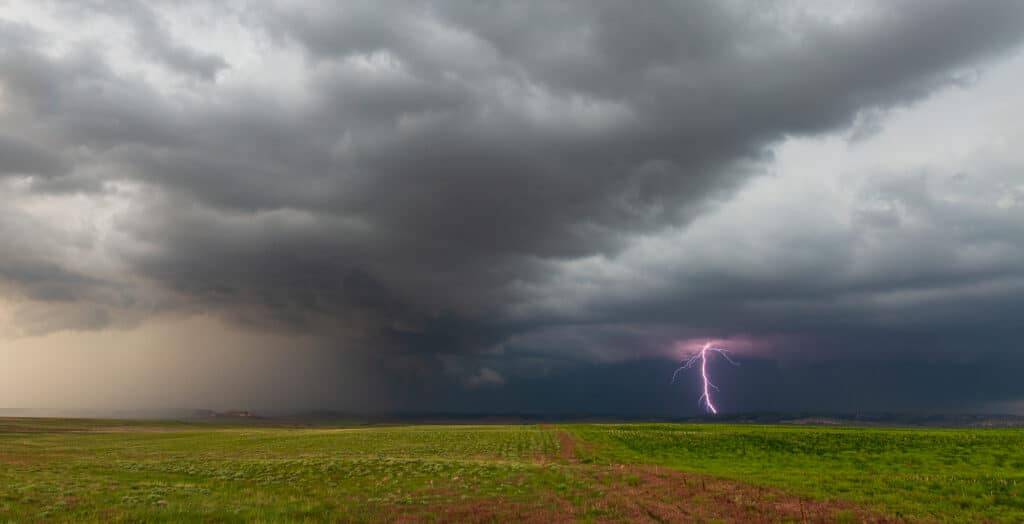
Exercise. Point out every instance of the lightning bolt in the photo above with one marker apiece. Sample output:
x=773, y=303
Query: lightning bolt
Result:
x=702, y=357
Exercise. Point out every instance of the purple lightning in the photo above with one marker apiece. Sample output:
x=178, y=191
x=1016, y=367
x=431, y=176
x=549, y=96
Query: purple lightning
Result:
x=702, y=356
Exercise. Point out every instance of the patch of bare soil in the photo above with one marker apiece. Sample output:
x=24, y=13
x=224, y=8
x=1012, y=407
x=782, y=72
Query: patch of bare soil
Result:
x=648, y=494
x=644, y=494
x=550, y=510
x=652, y=494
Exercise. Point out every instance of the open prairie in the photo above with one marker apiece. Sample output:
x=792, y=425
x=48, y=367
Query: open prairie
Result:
x=92, y=470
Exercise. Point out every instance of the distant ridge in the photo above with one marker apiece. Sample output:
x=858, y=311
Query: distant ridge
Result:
x=803, y=418
x=328, y=417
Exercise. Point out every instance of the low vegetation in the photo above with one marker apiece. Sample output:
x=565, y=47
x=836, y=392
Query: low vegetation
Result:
x=73, y=470
x=963, y=475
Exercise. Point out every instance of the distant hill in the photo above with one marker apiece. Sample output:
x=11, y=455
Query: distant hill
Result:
x=128, y=414
x=327, y=417
x=805, y=419
x=936, y=420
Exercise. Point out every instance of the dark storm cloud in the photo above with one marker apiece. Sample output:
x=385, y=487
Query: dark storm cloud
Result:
x=19, y=157
x=641, y=388
x=926, y=263
x=44, y=281
x=457, y=187
x=28, y=259
x=420, y=178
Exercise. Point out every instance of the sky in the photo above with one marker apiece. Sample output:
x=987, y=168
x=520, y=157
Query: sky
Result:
x=506, y=207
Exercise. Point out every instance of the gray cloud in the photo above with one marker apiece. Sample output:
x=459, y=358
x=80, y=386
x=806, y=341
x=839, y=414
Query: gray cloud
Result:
x=49, y=288
x=19, y=157
x=159, y=45
x=427, y=176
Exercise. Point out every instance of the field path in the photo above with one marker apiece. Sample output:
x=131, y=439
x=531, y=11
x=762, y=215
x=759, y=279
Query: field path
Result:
x=567, y=447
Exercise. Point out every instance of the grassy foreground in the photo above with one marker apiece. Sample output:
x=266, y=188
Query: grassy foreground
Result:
x=963, y=475
x=60, y=470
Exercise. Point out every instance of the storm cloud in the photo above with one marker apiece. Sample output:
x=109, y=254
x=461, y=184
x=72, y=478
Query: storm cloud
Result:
x=506, y=197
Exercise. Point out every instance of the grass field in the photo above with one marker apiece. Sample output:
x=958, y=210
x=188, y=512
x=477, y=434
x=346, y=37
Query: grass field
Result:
x=60, y=470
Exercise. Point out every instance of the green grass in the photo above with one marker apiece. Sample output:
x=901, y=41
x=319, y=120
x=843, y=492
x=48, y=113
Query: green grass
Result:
x=249, y=473
x=957, y=475
x=55, y=470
